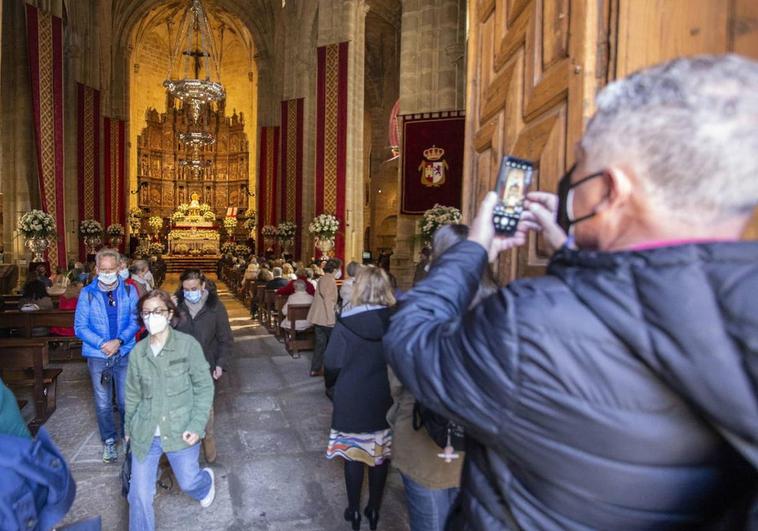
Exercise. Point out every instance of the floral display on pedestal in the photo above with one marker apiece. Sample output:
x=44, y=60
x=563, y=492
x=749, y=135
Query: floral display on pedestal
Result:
x=92, y=232
x=324, y=228
x=38, y=228
x=269, y=233
x=285, y=233
x=115, y=234
x=155, y=223
x=135, y=219
x=436, y=217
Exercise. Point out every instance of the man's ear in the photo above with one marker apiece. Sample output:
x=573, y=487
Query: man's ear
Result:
x=620, y=182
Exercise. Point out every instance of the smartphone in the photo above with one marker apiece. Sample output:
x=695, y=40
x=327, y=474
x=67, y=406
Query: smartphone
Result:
x=513, y=181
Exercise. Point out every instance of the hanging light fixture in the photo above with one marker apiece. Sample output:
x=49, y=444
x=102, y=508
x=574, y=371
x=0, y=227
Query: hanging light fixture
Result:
x=194, y=57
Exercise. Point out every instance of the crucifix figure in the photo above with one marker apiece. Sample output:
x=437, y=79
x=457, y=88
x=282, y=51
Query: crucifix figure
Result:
x=196, y=54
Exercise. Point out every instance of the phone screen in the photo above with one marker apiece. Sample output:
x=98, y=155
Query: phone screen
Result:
x=513, y=190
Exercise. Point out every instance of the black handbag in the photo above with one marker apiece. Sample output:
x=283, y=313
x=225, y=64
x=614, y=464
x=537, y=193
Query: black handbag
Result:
x=442, y=431
x=126, y=471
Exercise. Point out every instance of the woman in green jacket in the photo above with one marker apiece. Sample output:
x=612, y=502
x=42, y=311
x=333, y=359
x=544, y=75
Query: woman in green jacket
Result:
x=168, y=397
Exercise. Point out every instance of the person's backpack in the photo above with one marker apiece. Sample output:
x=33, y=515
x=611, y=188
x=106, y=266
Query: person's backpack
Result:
x=444, y=432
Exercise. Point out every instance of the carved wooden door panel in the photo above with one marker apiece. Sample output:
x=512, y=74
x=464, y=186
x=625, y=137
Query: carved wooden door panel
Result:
x=534, y=68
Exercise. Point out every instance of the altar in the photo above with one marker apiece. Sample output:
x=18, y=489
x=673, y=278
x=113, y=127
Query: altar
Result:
x=194, y=233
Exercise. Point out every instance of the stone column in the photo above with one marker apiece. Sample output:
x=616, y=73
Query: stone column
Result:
x=431, y=79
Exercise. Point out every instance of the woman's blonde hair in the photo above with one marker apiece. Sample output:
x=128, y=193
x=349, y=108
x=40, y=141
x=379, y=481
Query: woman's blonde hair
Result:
x=372, y=286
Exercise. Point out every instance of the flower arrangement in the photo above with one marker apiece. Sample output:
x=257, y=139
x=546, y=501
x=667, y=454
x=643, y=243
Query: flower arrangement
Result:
x=155, y=223
x=135, y=212
x=195, y=252
x=436, y=217
x=90, y=228
x=143, y=249
x=209, y=215
x=269, y=232
x=241, y=249
x=37, y=224
x=324, y=226
x=116, y=230
x=177, y=216
x=228, y=247
x=209, y=249
x=205, y=207
x=285, y=231
x=155, y=248
x=230, y=223
x=181, y=248
x=251, y=219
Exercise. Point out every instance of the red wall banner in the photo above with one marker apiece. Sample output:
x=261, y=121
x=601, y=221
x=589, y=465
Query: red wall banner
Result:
x=432, y=160
x=88, y=155
x=45, y=42
x=267, y=182
x=292, y=167
x=114, y=165
x=331, y=135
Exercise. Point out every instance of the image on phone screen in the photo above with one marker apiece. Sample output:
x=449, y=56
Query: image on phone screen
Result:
x=513, y=193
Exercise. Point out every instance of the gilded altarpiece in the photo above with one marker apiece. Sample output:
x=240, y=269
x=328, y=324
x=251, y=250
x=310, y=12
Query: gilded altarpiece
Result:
x=165, y=174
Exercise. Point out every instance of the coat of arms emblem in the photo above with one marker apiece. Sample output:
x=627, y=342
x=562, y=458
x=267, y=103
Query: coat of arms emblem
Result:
x=433, y=167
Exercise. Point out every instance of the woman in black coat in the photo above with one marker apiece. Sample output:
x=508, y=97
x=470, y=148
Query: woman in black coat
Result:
x=203, y=316
x=354, y=361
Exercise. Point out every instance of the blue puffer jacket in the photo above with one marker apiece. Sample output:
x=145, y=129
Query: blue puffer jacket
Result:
x=616, y=392
x=91, y=321
x=36, y=485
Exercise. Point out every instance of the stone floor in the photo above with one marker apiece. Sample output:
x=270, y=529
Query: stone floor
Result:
x=272, y=425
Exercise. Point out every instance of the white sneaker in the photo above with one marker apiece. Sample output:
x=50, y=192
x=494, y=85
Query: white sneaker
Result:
x=206, y=502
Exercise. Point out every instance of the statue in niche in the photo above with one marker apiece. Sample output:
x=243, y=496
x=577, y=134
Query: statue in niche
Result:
x=145, y=195
x=181, y=198
x=155, y=197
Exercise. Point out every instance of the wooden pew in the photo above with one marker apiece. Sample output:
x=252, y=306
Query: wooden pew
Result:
x=279, y=302
x=25, y=322
x=297, y=340
x=23, y=364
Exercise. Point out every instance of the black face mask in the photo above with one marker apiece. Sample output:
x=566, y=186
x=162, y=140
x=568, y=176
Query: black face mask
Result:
x=564, y=187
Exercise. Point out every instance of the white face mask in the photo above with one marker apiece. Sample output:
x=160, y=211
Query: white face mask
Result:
x=156, y=324
x=107, y=278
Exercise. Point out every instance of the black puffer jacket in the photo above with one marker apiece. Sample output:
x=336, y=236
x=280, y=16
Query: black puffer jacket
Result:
x=617, y=392
x=210, y=327
x=355, y=365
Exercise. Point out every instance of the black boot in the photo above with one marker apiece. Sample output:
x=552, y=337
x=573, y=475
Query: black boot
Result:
x=373, y=517
x=354, y=517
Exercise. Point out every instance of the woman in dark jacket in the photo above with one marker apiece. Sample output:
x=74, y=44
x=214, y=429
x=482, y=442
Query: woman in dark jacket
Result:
x=204, y=317
x=354, y=360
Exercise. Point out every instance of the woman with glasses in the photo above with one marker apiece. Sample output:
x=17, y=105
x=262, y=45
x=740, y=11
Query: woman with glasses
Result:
x=169, y=392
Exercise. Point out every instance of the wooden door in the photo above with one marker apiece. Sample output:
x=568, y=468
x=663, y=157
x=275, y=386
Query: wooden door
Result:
x=535, y=66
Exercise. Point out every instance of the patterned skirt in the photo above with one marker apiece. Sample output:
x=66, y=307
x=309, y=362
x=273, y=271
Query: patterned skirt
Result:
x=369, y=448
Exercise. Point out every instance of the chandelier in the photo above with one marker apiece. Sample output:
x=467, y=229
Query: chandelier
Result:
x=194, y=55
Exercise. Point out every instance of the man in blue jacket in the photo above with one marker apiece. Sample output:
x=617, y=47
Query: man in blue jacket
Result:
x=618, y=391
x=106, y=322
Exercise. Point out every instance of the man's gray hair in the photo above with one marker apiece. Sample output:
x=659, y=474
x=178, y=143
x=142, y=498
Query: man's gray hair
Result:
x=277, y=272
x=102, y=253
x=689, y=128
x=300, y=285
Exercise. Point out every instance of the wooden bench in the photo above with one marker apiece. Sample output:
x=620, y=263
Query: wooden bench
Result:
x=25, y=322
x=297, y=340
x=11, y=302
x=23, y=364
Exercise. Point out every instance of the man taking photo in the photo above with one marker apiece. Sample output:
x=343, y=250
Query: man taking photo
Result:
x=619, y=390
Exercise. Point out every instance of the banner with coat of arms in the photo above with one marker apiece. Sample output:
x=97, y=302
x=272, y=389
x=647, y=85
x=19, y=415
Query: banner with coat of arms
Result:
x=432, y=160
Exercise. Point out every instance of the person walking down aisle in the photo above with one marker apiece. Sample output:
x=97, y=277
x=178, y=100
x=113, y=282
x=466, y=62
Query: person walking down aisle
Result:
x=169, y=392
x=203, y=316
x=355, y=366
x=618, y=391
x=323, y=312
x=106, y=322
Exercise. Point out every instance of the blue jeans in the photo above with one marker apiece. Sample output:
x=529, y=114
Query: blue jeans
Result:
x=184, y=463
x=427, y=508
x=104, y=394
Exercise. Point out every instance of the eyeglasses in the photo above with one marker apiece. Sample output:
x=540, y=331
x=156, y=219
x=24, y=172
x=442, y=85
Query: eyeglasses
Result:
x=158, y=311
x=111, y=299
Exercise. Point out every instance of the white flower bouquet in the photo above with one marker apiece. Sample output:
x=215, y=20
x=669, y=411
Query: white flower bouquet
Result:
x=115, y=230
x=90, y=228
x=155, y=248
x=209, y=215
x=230, y=223
x=285, y=231
x=143, y=249
x=324, y=226
x=177, y=216
x=228, y=247
x=241, y=250
x=155, y=223
x=37, y=224
x=436, y=217
x=269, y=232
